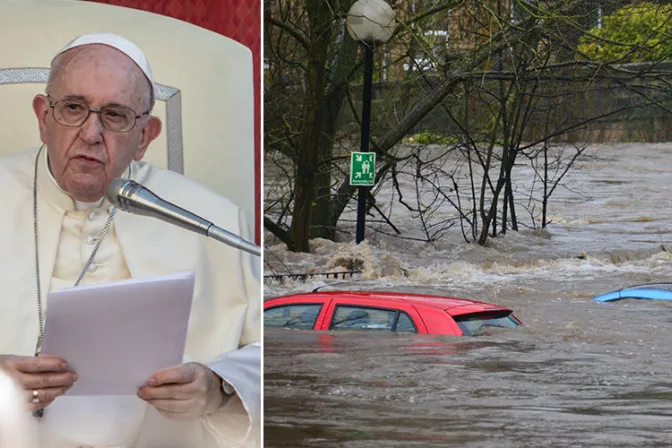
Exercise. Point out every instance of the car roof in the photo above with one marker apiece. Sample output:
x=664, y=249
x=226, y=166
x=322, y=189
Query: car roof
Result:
x=441, y=302
x=650, y=291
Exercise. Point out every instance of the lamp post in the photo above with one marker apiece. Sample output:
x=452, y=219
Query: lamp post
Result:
x=369, y=22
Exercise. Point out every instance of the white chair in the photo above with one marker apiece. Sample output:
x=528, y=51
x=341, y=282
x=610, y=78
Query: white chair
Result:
x=205, y=90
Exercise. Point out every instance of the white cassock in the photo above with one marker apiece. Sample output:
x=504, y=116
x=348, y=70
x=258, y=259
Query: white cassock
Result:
x=224, y=327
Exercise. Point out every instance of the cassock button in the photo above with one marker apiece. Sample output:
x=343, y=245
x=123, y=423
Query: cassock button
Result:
x=90, y=240
x=92, y=216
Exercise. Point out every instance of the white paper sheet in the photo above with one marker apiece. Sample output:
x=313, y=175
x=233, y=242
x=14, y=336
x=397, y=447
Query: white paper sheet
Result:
x=116, y=335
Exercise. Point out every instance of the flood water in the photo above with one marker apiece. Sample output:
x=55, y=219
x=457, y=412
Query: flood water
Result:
x=577, y=374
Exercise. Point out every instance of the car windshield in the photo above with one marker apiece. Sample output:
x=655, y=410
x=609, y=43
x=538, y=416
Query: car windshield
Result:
x=474, y=322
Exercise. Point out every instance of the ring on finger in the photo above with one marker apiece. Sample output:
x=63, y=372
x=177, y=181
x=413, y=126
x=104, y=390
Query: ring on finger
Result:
x=36, y=397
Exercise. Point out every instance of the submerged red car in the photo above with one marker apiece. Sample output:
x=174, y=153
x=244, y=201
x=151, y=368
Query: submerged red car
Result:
x=398, y=312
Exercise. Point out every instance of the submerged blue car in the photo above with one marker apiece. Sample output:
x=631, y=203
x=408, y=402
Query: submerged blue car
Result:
x=649, y=291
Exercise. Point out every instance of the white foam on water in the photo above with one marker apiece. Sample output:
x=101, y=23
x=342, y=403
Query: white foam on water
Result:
x=599, y=232
x=480, y=266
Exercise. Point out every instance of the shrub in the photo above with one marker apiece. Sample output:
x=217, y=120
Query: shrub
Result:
x=634, y=33
x=429, y=138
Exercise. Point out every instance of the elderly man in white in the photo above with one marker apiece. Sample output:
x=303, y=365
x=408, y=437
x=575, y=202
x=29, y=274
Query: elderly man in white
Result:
x=95, y=123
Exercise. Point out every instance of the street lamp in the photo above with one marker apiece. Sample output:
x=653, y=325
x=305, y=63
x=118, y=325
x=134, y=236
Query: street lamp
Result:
x=369, y=22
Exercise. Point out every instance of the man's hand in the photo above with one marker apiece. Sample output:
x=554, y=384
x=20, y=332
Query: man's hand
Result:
x=185, y=392
x=48, y=375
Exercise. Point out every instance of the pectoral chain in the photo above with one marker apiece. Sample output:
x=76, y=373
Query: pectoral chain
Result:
x=87, y=265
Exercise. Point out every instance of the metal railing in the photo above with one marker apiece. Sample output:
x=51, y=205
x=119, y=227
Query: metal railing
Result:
x=306, y=276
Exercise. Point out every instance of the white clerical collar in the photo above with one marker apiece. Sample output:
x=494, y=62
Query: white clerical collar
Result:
x=79, y=205
x=57, y=196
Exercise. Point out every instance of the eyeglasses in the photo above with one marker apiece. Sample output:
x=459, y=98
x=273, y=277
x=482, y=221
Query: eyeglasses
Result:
x=114, y=118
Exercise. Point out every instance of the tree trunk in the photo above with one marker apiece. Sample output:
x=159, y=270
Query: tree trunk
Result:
x=323, y=210
x=319, y=13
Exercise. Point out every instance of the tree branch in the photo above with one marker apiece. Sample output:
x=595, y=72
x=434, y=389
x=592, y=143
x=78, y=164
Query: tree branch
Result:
x=289, y=30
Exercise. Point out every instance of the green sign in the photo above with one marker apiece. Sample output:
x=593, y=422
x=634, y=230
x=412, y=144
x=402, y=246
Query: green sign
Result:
x=363, y=168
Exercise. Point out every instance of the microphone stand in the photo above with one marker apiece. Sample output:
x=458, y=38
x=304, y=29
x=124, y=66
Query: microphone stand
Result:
x=187, y=220
x=223, y=236
x=131, y=197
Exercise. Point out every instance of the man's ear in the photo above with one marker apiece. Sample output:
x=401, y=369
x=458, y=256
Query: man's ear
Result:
x=149, y=133
x=41, y=109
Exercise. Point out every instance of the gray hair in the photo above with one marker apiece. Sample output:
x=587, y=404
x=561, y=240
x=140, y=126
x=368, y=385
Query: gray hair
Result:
x=59, y=63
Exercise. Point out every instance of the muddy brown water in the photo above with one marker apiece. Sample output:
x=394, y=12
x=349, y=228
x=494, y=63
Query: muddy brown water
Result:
x=577, y=374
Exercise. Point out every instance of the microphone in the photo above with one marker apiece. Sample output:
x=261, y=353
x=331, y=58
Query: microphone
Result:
x=131, y=197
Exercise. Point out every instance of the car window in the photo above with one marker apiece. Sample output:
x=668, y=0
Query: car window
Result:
x=301, y=316
x=661, y=286
x=352, y=317
x=472, y=323
x=405, y=324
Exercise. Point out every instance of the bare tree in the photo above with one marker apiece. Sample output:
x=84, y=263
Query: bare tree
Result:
x=508, y=89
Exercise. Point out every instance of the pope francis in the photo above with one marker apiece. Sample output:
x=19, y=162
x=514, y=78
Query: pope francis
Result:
x=59, y=231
